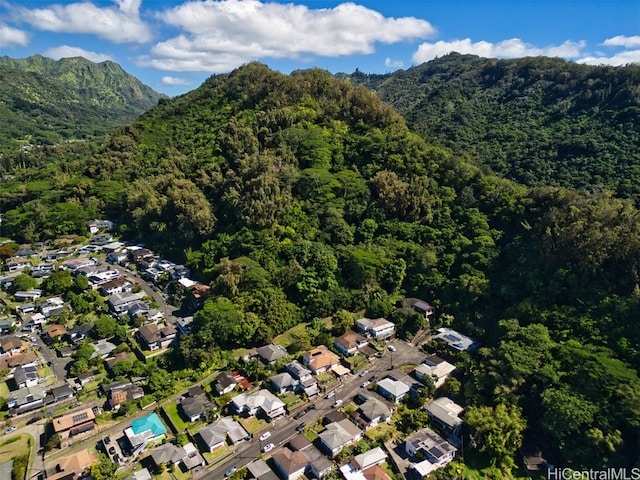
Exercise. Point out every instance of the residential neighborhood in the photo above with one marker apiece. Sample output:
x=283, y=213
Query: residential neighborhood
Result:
x=90, y=383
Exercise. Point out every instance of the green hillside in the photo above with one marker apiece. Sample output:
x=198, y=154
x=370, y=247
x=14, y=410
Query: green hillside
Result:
x=299, y=196
x=539, y=121
x=43, y=101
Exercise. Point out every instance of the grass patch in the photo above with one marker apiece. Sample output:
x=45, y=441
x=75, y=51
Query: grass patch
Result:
x=4, y=389
x=291, y=400
x=288, y=337
x=253, y=424
x=382, y=431
x=171, y=409
x=45, y=372
x=14, y=446
x=217, y=454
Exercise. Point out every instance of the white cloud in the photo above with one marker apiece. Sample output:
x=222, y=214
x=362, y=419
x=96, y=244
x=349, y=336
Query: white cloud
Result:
x=65, y=51
x=175, y=81
x=622, y=58
x=10, y=37
x=622, y=41
x=118, y=24
x=219, y=35
x=511, y=48
x=390, y=63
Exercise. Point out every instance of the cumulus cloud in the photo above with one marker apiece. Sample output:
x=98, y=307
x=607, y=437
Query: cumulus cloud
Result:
x=65, y=51
x=622, y=58
x=511, y=48
x=175, y=81
x=390, y=63
x=219, y=35
x=10, y=37
x=622, y=41
x=120, y=23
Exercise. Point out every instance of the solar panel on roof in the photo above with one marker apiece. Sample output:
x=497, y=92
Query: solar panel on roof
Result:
x=452, y=338
x=80, y=416
x=436, y=452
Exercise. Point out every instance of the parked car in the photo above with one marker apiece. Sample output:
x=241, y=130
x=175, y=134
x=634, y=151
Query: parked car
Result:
x=264, y=436
x=112, y=450
x=268, y=447
x=338, y=403
x=301, y=426
x=392, y=348
x=299, y=415
x=364, y=372
x=107, y=440
x=366, y=384
x=12, y=429
x=230, y=472
x=331, y=394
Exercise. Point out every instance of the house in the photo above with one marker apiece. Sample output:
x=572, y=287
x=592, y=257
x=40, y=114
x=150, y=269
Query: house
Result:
x=52, y=332
x=145, y=430
x=298, y=371
x=75, y=466
x=63, y=392
x=117, y=285
x=194, y=406
x=270, y=353
x=354, y=470
x=179, y=272
x=371, y=413
x=101, y=239
x=80, y=332
x=33, y=322
x=392, y=389
x=117, y=358
x=120, y=302
x=119, y=392
x=28, y=295
x=16, y=264
x=320, y=359
x=142, y=474
x=319, y=464
x=350, y=343
x=52, y=307
x=338, y=435
x=419, y=306
x=456, y=340
x=75, y=264
x=290, y=465
x=196, y=296
x=137, y=255
x=25, y=399
x=169, y=454
x=118, y=257
x=377, y=328
x=433, y=450
x=154, y=337
x=225, y=383
x=102, y=348
x=8, y=324
x=74, y=423
x=25, y=308
x=26, y=376
x=261, y=402
x=12, y=361
x=434, y=368
x=213, y=436
x=283, y=382
x=444, y=413
x=10, y=345
x=95, y=226
x=184, y=325
x=259, y=470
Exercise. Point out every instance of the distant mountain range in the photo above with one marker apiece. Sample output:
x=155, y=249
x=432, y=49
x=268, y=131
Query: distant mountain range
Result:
x=43, y=101
x=539, y=121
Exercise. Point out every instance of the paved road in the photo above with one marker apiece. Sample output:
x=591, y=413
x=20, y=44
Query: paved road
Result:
x=283, y=429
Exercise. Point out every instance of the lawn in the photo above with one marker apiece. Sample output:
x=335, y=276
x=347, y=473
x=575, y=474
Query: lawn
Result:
x=218, y=454
x=14, y=446
x=253, y=424
x=291, y=400
x=288, y=337
x=380, y=431
x=171, y=409
x=4, y=389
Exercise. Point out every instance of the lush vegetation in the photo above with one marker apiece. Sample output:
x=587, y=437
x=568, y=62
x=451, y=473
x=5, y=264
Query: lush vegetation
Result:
x=296, y=197
x=43, y=101
x=539, y=121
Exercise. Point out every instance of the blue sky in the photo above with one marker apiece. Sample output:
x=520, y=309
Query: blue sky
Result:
x=174, y=45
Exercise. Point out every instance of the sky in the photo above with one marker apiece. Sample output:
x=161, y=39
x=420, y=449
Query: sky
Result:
x=174, y=45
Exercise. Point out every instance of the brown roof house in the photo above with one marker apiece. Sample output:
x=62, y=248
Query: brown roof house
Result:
x=74, y=423
x=350, y=343
x=77, y=464
x=289, y=464
x=154, y=337
x=320, y=359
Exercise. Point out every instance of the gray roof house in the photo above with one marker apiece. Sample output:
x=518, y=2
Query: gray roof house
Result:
x=371, y=413
x=261, y=471
x=445, y=414
x=26, y=375
x=338, y=435
x=393, y=390
x=119, y=302
x=270, y=353
x=25, y=399
x=262, y=401
x=214, y=435
x=283, y=382
x=225, y=383
x=298, y=371
x=435, y=451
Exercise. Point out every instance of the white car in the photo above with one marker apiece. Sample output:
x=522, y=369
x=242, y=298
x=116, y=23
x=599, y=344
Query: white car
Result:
x=264, y=436
x=392, y=348
x=366, y=384
x=268, y=447
x=337, y=404
x=331, y=394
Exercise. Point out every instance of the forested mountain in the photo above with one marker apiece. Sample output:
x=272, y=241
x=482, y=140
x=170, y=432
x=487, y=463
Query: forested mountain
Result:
x=298, y=196
x=43, y=101
x=539, y=121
